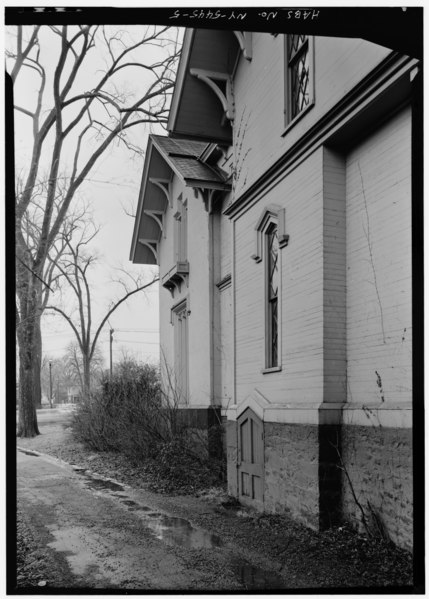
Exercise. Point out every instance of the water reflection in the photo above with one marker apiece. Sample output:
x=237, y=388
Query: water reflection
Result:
x=178, y=531
x=253, y=578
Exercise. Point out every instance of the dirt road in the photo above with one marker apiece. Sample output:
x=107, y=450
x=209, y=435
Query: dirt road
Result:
x=78, y=530
x=102, y=534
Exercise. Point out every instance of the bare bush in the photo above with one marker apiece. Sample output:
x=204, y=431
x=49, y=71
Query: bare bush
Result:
x=132, y=415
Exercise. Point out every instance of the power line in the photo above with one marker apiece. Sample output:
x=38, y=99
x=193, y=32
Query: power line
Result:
x=132, y=341
x=137, y=330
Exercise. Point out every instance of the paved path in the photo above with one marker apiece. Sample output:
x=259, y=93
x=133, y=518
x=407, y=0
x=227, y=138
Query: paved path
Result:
x=107, y=535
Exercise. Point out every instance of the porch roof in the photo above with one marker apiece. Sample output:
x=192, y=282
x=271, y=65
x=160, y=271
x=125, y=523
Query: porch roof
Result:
x=166, y=158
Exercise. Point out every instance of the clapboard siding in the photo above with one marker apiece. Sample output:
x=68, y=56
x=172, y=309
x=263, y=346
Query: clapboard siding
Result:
x=301, y=295
x=260, y=122
x=379, y=265
x=197, y=294
x=225, y=246
x=166, y=261
x=334, y=276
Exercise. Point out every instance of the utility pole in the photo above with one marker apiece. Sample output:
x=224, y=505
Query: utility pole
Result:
x=50, y=383
x=111, y=343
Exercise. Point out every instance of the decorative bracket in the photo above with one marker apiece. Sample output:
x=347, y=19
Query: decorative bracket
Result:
x=157, y=217
x=176, y=276
x=164, y=186
x=208, y=198
x=152, y=244
x=212, y=79
x=245, y=41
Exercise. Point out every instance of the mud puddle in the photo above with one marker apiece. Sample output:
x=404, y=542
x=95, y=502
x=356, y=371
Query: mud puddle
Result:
x=103, y=485
x=175, y=531
x=29, y=452
x=254, y=578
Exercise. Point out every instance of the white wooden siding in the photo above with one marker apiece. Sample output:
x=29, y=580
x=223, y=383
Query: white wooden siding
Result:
x=259, y=96
x=197, y=294
x=302, y=293
x=379, y=266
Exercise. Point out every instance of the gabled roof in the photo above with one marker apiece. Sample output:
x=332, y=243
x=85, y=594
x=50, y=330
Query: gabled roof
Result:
x=195, y=110
x=166, y=158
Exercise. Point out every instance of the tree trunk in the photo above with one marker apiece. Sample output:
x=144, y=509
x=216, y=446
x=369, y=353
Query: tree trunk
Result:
x=27, y=424
x=37, y=363
x=29, y=345
x=86, y=375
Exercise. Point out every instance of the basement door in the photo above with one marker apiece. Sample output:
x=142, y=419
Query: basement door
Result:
x=251, y=460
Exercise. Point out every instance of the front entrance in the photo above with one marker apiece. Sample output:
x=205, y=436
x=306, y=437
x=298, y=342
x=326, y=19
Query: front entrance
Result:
x=251, y=460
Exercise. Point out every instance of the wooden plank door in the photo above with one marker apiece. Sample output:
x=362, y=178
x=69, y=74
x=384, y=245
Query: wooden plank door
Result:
x=251, y=460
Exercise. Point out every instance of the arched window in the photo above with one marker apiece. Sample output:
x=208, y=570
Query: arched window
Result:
x=272, y=296
x=271, y=237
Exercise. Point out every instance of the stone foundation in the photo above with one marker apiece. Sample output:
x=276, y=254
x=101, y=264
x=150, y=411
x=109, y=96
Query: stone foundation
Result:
x=292, y=471
x=206, y=426
x=309, y=470
x=379, y=464
x=231, y=456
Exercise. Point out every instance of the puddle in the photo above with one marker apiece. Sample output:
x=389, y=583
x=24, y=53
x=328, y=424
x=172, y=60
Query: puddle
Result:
x=100, y=484
x=35, y=455
x=178, y=531
x=136, y=507
x=253, y=578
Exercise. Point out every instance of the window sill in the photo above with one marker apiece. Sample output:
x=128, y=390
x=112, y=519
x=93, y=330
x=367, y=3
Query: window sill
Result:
x=272, y=369
x=298, y=117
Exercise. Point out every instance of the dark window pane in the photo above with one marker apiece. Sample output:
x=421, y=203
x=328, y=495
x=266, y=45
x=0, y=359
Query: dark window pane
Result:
x=299, y=73
x=273, y=289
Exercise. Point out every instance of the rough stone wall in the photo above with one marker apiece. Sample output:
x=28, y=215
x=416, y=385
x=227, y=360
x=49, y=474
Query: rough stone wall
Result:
x=231, y=435
x=292, y=471
x=379, y=463
x=205, y=426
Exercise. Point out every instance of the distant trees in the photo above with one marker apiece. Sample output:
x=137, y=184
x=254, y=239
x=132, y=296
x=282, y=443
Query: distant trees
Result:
x=75, y=266
x=65, y=374
x=73, y=119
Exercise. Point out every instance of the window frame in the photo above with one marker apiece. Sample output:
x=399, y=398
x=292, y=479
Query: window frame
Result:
x=269, y=365
x=181, y=230
x=290, y=120
x=179, y=313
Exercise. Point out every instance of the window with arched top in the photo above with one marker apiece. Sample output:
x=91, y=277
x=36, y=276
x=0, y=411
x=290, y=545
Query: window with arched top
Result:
x=181, y=230
x=272, y=290
x=180, y=381
x=270, y=239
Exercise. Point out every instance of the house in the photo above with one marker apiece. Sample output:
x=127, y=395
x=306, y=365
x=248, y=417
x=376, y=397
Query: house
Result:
x=279, y=212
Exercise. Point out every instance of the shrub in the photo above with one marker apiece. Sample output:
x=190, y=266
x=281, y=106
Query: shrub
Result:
x=125, y=414
x=130, y=414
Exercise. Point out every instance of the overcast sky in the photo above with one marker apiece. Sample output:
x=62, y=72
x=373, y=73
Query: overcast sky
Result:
x=112, y=189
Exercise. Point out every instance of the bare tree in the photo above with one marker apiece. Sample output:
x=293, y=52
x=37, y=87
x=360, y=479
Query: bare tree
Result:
x=74, y=266
x=72, y=127
x=73, y=363
x=50, y=279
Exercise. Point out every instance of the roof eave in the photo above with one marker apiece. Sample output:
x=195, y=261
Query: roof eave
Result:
x=139, y=211
x=180, y=77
